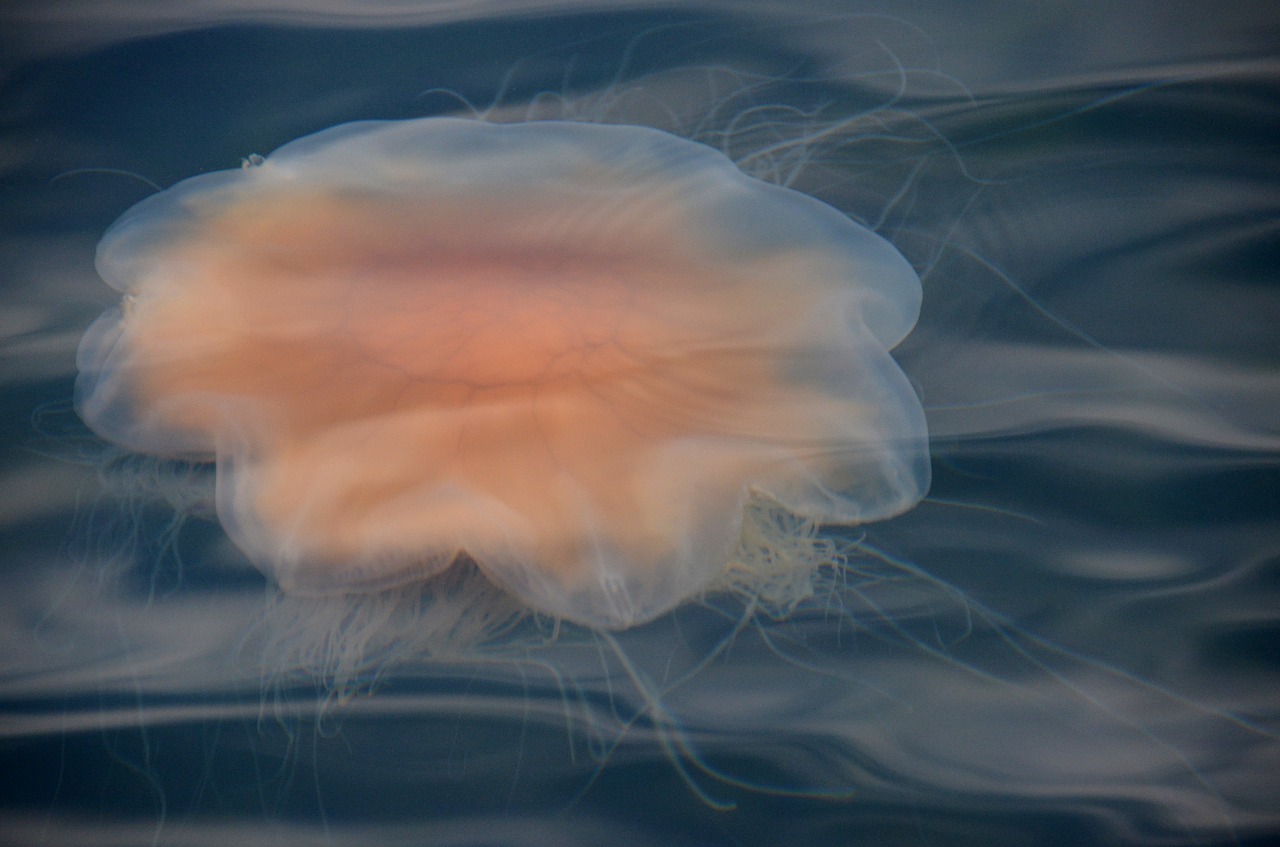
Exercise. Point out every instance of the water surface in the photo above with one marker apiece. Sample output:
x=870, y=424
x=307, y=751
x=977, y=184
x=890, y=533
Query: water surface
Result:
x=1071, y=641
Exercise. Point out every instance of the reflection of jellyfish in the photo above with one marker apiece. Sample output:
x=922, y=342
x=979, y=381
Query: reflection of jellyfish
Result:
x=574, y=354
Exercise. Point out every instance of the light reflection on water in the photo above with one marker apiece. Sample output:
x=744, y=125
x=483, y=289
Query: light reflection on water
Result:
x=1071, y=640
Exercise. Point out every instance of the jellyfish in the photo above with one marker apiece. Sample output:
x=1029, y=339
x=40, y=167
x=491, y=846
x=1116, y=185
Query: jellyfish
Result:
x=581, y=358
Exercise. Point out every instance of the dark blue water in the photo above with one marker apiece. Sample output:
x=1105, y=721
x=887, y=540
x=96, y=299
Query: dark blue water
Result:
x=1073, y=640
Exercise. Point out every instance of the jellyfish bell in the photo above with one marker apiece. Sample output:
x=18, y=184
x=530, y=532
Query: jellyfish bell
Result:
x=579, y=356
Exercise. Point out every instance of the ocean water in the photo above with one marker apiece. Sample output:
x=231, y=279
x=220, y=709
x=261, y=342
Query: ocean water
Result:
x=1072, y=640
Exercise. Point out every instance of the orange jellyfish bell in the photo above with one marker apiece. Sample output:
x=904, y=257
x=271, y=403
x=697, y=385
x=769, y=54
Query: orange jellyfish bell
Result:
x=569, y=352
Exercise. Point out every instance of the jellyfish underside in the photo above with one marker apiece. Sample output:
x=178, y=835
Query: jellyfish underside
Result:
x=571, y=353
